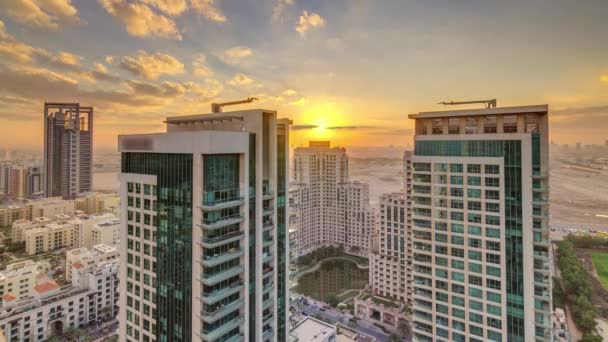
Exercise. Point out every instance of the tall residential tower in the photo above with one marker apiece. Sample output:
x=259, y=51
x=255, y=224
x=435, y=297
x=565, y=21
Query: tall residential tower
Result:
x=68, y=149
x=204, y=235
x=480, y=225
x=330, y=209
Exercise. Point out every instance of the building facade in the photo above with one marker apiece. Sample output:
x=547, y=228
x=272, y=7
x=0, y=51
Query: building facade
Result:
x=328, y=208
x=91, y=297
x=68, y=149
x=204, y=231
x=480, y=225
x=18, y=280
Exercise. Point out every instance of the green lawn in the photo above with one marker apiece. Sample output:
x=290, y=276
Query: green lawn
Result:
x=600, y=261
x=348, y=295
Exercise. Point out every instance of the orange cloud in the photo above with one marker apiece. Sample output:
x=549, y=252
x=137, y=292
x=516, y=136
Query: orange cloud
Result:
x=309, y=21
x=151, y=66
x=140, y=20
x=208, y=10
x=41, y=14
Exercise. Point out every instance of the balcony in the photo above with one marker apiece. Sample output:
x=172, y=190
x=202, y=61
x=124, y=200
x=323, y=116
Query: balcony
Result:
x=540, y=174
x=267, y=225
x=268, y=303
x=212, y=335
x=222, y=239
x=267, y=211
x=267, y=257
x=222, y=222
x=211, y=261
x=211, y=317
x=211, y=279
x=236, y=338
x=216, y=200
x=268, y=271
x=267, y=334
x=540, y=200
x=267, y=192
x=267, y=287
x=267, y=318
x=267, y=241
x=541, y=214
x=212, y=297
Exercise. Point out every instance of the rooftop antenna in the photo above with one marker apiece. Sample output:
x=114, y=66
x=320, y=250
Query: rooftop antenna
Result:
x=217, y=107
x=489, y=103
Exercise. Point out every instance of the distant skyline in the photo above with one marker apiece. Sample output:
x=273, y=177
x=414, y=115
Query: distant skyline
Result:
x=345, y=70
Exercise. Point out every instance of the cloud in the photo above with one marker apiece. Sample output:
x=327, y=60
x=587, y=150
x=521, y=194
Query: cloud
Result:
x=208, y=10
x=302, y=101
x=604, y=78
x=170, y=7
x=236, y=55
x=151, y=66
x=38, y=84
x=350, y=127
x=200, y=67
x=280, y=7
x=302, y=127
x=207, y=91
x=309, y=21
x=140, y=20
x=166, y=89
x=241, y=80
x=41, y=14
x=290, y=92
x=17, y=51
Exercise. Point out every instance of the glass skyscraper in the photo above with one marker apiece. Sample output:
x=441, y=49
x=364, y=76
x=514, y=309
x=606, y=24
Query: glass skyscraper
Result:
x=204, y=238
x=479, y=199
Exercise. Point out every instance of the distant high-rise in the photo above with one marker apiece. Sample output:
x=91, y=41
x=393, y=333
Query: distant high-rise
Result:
x=481, y=261
x=68, y=149
x=204, y=231
x=330, y=209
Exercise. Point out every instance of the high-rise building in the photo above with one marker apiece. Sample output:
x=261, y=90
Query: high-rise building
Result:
x=329, y=209
x=480, y=225
x=68, y=149
x=204, y=231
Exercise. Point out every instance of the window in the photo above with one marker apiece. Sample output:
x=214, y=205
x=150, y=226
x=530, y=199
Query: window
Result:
x=458, y=264
x=473, y=317
x=494, y=310
x=493, y=271
x=457, y=276
x=493, y=194
x=457, y=204
x=456, y=216
x=474, y=255
x=492, y=181
x=474, y=243
x=474, y=205
x=474, y=193
x=456, y=192
x=457, y=228
x=474, y=168
x=492, y=233
x=493, y=246
x=457, y=240
x=493, y=207
x=476, y=268
x=441, y=167
x=493, y=258
x=474, y=180
x=456, y=180
x=493, y=284
x=493, y=220
x=458, y=289
x=456, y=168
x=459, y=301
x=475, y=305
x=474, y=218
x=492, y=169
x=477, y=293
x=458, y=252
x=475, y=280
x=474, y=230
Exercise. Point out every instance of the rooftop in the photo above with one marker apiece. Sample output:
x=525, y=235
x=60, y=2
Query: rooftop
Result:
x=312, y=330
x=481, y=111
x=46, y=286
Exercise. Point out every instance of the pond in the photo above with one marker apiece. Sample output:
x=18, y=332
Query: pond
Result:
x=333, y=277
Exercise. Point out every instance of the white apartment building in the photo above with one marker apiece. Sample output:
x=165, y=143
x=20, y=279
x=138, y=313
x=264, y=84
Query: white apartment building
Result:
x=204, y=231
x=84, y=225
x=481, y=262
x=328, y=209
x=313, y=330
x=18, y=280
x=107, y=233
x=84, y=257
x=52, y=309
x=390, y=259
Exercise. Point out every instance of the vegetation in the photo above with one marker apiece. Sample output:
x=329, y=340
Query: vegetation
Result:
x=348, y=295
x=380, y=301
x=600, y=261
x=331, y=299
x=558, y=294
x=15, y=247
x=587, y=241
x=578, y=289
x=328, y=252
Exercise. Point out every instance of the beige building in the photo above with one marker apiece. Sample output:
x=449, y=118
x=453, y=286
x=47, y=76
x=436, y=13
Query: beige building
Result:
x=17, y=280
x=20, y=226
x=31, y=209
x=83, y=257
x=97, y=203
x=48, y=238
x=107, y=232
x=84, y=226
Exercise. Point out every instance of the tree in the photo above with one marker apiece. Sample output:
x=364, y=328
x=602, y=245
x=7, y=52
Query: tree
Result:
x=332, y=299
x=591, y=338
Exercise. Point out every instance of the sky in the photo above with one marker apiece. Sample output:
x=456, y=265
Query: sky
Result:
x=345, y=70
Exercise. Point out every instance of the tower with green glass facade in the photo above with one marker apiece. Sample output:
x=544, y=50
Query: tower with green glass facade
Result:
x=481, y=248
x=204, y=231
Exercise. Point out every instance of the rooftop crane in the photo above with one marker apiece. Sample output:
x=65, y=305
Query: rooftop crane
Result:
x=217, y=107
x=489, y=103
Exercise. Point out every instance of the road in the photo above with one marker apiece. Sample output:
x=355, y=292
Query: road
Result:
x=331, y=316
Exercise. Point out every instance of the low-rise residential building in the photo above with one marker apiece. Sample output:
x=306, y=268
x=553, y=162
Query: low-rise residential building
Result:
x=17, y=280
x=20, y=226
x=313, y=330
x=31, y=209
x=107, y=232
x=84, y=257
x=84, y=225
x=52, y=309
x=97, y=203
x=48, y=238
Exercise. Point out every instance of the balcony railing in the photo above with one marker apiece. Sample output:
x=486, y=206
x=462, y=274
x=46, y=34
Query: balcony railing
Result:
x=213, y=260
x=214, y=296
x=210, y=279
x=212, y=316
x=222, y=239
x=214, y=334
x=226, y=198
